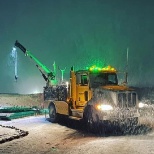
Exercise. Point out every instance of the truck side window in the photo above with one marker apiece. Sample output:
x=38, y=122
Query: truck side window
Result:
x=84, y=80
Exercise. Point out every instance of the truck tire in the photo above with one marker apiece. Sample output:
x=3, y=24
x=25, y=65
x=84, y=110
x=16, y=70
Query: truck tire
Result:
x=91, y=120
x=52, y=113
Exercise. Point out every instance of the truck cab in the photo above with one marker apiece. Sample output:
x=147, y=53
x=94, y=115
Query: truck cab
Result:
x=83, y=83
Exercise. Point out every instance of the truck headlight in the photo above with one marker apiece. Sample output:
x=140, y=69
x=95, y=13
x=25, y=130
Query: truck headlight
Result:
x=141, y=105
x=104, y=107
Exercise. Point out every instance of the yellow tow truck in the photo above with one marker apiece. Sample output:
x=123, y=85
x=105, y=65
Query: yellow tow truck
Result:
x=92, y=95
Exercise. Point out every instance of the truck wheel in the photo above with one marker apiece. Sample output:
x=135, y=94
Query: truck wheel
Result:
x=91, y=119
x=52, y=113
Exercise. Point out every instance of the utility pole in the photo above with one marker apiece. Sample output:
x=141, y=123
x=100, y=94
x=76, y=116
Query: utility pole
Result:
x=127, y=67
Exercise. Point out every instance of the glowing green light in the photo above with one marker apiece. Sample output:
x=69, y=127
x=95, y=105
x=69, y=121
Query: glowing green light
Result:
x=94, y=68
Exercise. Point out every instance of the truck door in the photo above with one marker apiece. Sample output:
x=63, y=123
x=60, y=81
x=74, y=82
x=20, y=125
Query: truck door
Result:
x=82, y=89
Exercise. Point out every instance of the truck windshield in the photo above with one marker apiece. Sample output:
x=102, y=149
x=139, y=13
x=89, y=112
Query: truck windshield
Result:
x=102, y=79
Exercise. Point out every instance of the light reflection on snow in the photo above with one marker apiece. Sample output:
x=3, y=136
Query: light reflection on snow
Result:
x=114, y=145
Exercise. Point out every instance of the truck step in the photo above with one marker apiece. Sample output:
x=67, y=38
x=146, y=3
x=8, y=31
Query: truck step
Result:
x=77, y=110
x=75, y=118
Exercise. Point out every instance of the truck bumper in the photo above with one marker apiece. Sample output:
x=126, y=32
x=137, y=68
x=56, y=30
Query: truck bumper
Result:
x=118, y=115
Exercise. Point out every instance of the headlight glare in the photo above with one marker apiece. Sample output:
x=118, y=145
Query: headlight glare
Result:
x=141, y=105
x=104, y=107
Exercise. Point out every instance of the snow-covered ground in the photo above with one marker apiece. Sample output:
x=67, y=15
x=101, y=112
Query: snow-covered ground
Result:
x=45, y=137
x=21, y=100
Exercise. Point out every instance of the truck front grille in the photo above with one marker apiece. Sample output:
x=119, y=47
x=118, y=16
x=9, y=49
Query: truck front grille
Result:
x=126, y=100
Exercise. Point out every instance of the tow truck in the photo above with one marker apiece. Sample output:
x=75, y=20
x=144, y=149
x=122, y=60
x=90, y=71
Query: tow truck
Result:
x=93, y=95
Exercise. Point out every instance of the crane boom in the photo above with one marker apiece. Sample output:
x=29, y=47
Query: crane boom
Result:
x=48, y=75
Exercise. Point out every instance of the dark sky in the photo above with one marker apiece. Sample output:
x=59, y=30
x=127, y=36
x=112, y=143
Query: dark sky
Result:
x=79, y=33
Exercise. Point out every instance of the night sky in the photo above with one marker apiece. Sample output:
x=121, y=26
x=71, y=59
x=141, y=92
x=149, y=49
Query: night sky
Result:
x=76, y=32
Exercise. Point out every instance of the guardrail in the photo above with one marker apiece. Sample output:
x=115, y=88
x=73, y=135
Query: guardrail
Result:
x=8, y=113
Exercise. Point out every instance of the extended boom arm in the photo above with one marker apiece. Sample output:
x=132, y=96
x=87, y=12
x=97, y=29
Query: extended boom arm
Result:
x=48, y=74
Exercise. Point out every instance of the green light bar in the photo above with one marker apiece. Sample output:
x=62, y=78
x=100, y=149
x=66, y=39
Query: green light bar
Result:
x=103, y=69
